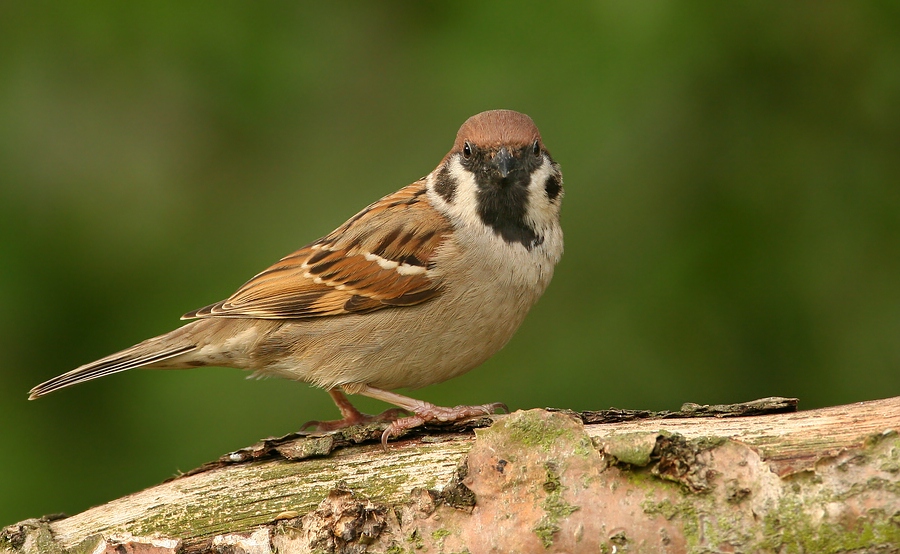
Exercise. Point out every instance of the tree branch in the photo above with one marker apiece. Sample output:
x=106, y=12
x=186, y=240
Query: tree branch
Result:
x=823, y=480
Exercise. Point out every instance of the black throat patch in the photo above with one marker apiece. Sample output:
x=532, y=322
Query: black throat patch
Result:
x=503, y=201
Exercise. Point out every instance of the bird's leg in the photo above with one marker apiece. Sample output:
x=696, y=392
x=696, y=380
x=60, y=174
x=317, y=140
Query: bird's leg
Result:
x=423, y=412
x=350, y=415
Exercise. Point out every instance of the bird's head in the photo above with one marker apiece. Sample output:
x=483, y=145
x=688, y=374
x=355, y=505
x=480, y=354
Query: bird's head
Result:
x=500, y=172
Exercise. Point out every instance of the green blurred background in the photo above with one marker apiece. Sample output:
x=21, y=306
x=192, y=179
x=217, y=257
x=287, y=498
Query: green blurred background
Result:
x=732, y=214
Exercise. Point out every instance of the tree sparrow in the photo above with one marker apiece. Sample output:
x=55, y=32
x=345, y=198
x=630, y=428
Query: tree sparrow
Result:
x=419, y=287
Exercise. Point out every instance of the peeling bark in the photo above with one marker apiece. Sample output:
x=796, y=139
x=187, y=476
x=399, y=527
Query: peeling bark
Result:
x=536, y=481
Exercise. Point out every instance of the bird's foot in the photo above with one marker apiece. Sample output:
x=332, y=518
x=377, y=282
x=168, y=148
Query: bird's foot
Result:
x=357, y=418
x=352, y=416
x=429, y=413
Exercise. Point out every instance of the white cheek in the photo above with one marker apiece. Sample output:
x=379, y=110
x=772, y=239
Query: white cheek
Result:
x=463, y=209
x=538, y=182
x=543, y=213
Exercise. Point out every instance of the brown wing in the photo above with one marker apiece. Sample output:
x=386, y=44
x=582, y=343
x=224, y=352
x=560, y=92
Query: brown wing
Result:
x=381, y=257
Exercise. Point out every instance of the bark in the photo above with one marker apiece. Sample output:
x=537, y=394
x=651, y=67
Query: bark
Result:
x=539, y=481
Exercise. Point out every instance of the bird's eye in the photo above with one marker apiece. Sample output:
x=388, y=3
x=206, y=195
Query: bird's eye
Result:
x=536, y=148
x=467, y=150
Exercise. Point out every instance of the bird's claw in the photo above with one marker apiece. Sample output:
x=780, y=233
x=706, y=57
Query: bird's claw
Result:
x=431, y=413
x=387, y=416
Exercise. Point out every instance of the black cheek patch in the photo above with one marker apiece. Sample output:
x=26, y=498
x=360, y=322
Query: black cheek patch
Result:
x=552, y=187
x=445, y=184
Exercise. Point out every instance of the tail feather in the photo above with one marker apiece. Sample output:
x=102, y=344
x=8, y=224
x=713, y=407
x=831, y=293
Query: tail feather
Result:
x=140, y=355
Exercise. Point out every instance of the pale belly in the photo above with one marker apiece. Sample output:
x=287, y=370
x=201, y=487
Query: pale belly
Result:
x=407, y=347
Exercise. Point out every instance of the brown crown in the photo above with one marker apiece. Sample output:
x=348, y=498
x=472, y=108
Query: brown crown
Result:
x=493, y=128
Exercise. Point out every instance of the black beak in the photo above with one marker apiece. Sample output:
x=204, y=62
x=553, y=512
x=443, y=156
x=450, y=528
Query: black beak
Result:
x=504, y=162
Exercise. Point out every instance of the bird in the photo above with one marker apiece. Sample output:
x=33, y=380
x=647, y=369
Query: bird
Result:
x=419, y=287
